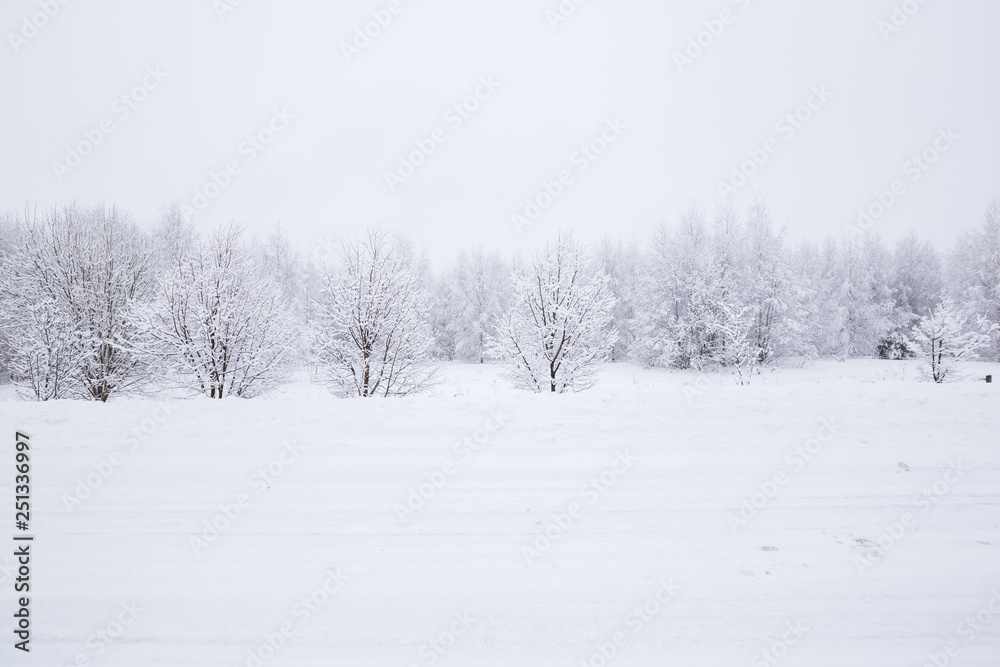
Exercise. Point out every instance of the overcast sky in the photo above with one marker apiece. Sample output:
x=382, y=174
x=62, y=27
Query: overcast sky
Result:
x=338, y=119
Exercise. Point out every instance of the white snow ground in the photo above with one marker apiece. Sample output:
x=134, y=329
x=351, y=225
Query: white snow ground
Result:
x=664, y=518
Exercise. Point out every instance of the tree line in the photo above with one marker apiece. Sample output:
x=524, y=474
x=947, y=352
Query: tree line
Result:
x=95, y=305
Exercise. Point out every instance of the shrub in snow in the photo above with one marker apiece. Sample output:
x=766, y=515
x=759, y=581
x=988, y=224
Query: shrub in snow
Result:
x=370, y=335
x=69, y=283
x=948, y=337
x=218, y=323
x=895, y=346
x=739, y=348
x=557, y=333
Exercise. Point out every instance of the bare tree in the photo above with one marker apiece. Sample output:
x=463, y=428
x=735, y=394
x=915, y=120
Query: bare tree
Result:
x=371, y=336
x=219, y=324
x=557, y=332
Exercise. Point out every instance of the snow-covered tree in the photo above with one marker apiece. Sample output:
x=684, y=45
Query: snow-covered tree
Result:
x=916, y=278
x=44, y=349
x=474, y=294
x=915, y=281
x=696, y=276
x=975, y=270
x=36, y=332
x=817, y=269
x=443, y=311
x=283, y=263
x=173, y=235
x=8, y=243
x=678, y=296
x=71, y=280
x=620, y=260
x=775, y=298
x=371, y=335
x=948, y=336
x=740, y=348
x=219, y=324
x=864, y=298
x=556, y=334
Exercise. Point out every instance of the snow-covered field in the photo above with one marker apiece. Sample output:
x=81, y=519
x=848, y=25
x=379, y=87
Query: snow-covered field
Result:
x=639, y=484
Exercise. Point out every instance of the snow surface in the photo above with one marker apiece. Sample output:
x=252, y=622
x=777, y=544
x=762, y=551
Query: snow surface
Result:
x=698, y=455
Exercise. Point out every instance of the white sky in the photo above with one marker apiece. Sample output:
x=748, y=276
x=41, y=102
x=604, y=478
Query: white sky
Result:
x=324, y=174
